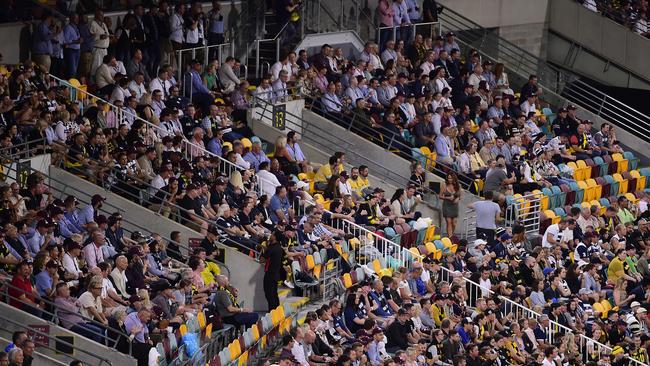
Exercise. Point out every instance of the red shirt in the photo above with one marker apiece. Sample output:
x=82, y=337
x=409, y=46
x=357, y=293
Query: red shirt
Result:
x=25, y=287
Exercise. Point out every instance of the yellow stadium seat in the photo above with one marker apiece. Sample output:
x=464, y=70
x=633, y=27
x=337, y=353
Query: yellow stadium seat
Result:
x=376, y=266
x=354, y=243
x=430, y=247
x=310, y=262
x=183, y=329
x=447, y=242
x=256, y=332
x=416, y=253
x=543, y=200
x=622, y=162
x=585, y=170
x=430, y=234
x=347, y=281
x=632, y=198
x=235, y=349
x=208, y=331
x=437, y=254
x=640, y=180
x=246, y=142
x=551, y=215
x=595, y=189
x=622, y=183
x=243, y=360
x=583, y=185
x=201, y=319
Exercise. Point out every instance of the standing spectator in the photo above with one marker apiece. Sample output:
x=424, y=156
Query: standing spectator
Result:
x=385, y=13
x=136, y=325
x=72, y=46
x=450, y=194
x=177, y=26
x=487, y=215
x=215, y=28
x=101, y=37
x=273, y=271
x=42, y=42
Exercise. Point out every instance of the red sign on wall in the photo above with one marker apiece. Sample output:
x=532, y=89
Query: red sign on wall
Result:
x=38, y=333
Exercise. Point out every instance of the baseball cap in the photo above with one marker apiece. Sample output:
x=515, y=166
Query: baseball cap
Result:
x=370, y=196
x=71, y=199
x=635, y=303
x=641, y=310
x=506, y=236
x=480, y=242
x=301, y=184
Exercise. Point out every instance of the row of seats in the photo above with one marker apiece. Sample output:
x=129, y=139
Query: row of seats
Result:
x=553, y=216
x=602, y=166
x=414, y=237
x=594, y=189
x=261, y=337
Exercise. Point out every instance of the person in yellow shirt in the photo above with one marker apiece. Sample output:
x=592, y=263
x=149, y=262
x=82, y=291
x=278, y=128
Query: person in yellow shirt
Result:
x=211, y=271
x=437, y=312
x=359, y=180
x=616, y=269
x=325, y=172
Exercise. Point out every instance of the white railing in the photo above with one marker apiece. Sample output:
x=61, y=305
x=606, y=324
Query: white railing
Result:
x=525, y=210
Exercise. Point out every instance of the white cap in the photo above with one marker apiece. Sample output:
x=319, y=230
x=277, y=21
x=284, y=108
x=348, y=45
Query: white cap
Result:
x=480, y=242
x=635, y=303
x=641, y=311
x=302, y=184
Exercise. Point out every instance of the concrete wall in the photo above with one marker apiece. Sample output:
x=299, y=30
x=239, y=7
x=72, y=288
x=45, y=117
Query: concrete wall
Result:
x=249, y=282
x=39, y=358
x=600, y=35
x=88, y=346
x=520, y=22
x=570, y=55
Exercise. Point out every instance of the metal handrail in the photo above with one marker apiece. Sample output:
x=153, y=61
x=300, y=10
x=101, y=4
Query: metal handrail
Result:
x=393, y=143
x=19, y=325
x=16, y=152
x=56, y=319
x=206, y=53
x=144, y=199
x=120, y=111
x=552, y=79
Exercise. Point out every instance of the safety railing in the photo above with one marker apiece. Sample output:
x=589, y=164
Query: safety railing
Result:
x=188, y=146
x=359, y=124
x=408, y=31
x=606, y=9
x=468, y=227
x=278, y=43
x=25, y=150
x=204, y=53
x=53, y=313
x=518, y=311
x=558, y=85
x=524, y=210
x=98, y=359
x=138, y=191
x=608, y=108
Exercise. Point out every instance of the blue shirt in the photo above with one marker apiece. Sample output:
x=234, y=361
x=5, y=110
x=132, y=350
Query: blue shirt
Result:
x=197, y=84
x=132, y=321
x=42, y=39
x=73, y=218
x=256, y=159
x=216, y=22
x=331, y=102
x=464, y=337
x=214, y=146
x=411, y=5
x=43, y=283
x=70, y=35
x=86, y=215
x=35, y=243
x=278, y=204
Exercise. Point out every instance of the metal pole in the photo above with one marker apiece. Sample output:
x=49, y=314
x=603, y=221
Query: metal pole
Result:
x=356, y=16
x=205, y=56
x=342, y=15
x=277, y=49
x=257, y=59
x=180, y=61
x=318, y=17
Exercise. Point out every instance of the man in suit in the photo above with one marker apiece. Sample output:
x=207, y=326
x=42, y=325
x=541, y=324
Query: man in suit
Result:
x=200, y=96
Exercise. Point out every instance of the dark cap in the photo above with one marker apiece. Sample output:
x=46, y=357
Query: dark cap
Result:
x=71, y=199
x=571, y=107
x=220, y=181
x=378, y=190
x=213, y=230
x=165, y=285
x=97, y=198
x=400, y=94
x=588, y=121
x=377, y=331
x=190, y=187
x=56, y=211
x=562, y=110
x=450, y=34
x=58, y=203
x=344, y=174
x=369, y=196
x=51, y=264
x=402, y=311
x=71, y=244
x=402, y=75
x=135, y=250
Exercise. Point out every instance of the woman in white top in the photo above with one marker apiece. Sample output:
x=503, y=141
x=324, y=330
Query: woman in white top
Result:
x=439, y=83
x=501, y=80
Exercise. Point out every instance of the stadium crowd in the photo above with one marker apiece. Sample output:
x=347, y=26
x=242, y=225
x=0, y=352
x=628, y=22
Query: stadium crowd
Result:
x=588, y=273
x=631, y=14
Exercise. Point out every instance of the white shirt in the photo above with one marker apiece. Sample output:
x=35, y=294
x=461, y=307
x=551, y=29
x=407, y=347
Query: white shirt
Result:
x=137, y=90
x=277, y=67
x=298, y=354
x=345, y=188
x=553, y=230
x=426, y=67
x=159, y=84
x=485, y=286
x=157, y=183
x=119, y=94
x=176, y=22
x=267, y=182
x=71, y=265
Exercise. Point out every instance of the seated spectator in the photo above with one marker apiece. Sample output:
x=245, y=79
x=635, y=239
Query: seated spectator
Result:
x=225, y=299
